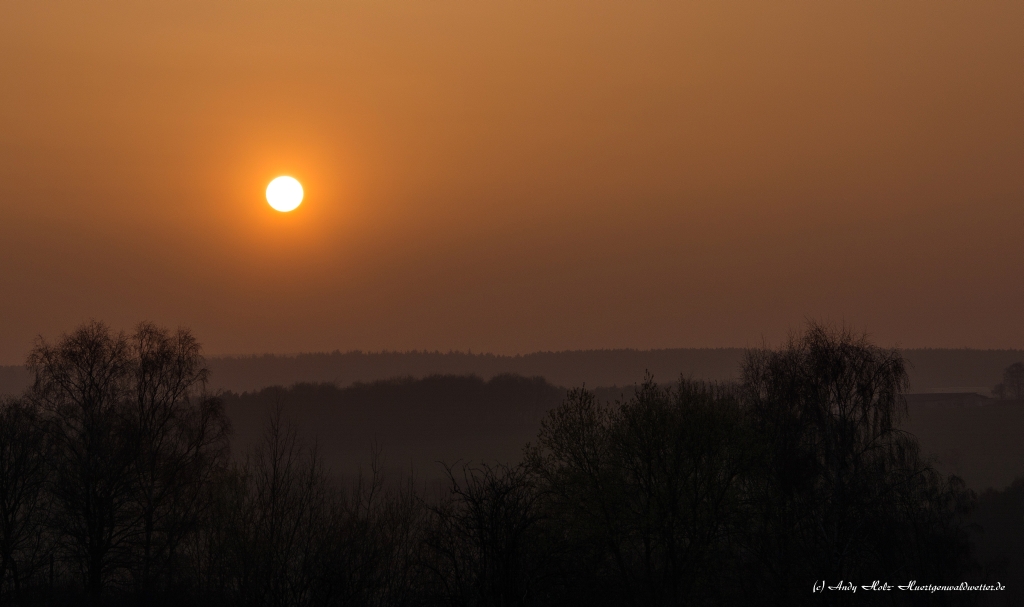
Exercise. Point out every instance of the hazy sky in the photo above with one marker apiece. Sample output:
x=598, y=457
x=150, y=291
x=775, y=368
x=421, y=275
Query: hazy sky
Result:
x=513, y=175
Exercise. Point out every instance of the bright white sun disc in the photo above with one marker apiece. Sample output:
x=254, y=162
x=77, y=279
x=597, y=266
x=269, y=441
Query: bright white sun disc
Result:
x=284, y=194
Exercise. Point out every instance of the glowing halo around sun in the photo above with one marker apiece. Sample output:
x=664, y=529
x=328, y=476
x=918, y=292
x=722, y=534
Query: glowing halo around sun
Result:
x=284, y=194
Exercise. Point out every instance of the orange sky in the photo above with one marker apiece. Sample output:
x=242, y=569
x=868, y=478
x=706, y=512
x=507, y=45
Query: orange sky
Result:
x=513, y=175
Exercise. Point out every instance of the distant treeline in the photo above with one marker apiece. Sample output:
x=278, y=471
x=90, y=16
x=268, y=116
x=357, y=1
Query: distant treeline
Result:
x=415, y=423
x=929, y=369
x=593, y=368
x=117, y=486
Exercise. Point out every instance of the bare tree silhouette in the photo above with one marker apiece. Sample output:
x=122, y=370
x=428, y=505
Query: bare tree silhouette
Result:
x=842, y=493
x=23, y=508
x=82, y=385
x=133, y=440
x=182, y=439
x=114, y=468
x=650, y=491
x=486, y=544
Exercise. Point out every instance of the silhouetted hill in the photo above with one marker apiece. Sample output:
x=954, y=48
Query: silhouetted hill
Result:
x=931, y=369
x=570, y=368
x=433, y=415
x=414, y=422
x=418, y=422
x=981, y=444
x=937, y=369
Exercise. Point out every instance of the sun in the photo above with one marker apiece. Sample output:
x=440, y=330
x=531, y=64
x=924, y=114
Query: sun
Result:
x=284, y=194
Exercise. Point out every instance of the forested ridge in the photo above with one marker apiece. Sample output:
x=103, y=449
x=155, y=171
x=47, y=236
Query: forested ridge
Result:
x=118, y=485
x=929, y=369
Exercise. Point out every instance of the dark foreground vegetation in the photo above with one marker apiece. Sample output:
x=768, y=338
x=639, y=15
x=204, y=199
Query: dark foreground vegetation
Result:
x=117, y=487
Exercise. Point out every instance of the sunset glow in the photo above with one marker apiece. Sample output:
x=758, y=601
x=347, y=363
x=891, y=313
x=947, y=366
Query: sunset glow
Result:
x=513, y=176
